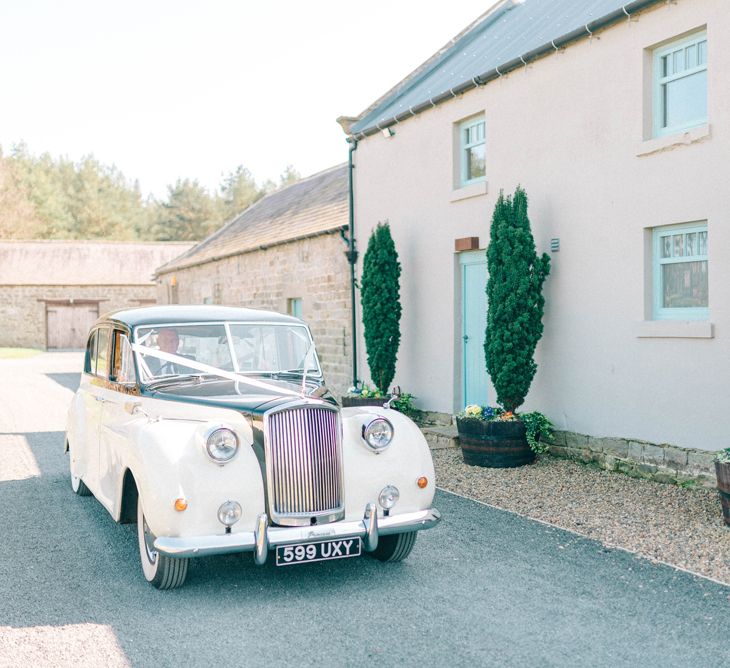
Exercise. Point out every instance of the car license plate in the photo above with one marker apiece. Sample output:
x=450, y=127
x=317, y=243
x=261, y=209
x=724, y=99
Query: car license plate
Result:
x=288, y=555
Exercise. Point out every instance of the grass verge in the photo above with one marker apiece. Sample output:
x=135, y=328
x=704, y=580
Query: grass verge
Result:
x=18, y=353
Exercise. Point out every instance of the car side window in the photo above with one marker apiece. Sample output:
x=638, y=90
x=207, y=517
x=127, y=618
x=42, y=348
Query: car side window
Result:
x=123, y=364
x=90, y=357
x=102, y=353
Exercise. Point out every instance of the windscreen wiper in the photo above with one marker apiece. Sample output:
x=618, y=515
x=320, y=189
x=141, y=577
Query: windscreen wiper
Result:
x=174, y=379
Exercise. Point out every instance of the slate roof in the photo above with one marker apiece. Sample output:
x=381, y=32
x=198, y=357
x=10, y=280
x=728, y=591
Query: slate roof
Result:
x=43, y=262
x=314, y=205
x=498, y=41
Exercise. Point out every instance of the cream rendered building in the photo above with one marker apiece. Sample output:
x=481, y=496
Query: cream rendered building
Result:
x=615, y=118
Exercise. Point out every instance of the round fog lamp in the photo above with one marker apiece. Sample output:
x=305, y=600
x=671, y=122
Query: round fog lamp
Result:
x=378, y=434
x=229, y=513
x=221, y=445
x=389, y=496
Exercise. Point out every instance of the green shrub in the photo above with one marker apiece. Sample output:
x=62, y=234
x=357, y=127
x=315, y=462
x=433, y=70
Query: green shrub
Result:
x=515, y=303
x=381, y=308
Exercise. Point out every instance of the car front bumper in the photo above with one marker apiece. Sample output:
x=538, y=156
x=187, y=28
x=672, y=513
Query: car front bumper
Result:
x=265, y=537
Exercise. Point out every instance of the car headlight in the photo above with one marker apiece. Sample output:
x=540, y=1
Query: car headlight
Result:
x=221, y=445
x=378, y=434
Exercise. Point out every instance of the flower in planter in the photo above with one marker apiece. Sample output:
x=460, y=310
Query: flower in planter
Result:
x=485, y=413
x=538, y=429
x=723, y=456
x=373, y=393
x=364, y=391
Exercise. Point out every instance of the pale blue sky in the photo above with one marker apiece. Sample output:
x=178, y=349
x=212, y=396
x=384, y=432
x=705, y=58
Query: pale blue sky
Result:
x=167, y=89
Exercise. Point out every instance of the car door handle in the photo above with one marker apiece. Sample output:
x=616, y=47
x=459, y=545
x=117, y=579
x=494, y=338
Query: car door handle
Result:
x=100, y=399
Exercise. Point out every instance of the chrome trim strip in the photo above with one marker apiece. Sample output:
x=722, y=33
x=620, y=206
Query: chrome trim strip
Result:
x=199, y=546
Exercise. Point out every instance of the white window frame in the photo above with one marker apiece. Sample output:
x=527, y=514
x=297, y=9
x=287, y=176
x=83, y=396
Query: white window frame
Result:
x=463, y=147
x=676, y=313
x=660, y=81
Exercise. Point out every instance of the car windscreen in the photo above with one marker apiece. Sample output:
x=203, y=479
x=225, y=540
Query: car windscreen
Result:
x=273, y=348
x=250, y=348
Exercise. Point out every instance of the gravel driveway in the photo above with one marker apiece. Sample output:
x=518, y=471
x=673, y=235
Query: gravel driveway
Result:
x=486, y=587
x=668, y=523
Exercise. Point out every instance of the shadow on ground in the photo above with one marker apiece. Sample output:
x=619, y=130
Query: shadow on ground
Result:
x=70, y=381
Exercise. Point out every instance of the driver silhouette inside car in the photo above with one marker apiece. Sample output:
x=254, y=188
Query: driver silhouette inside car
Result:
x=168, y=341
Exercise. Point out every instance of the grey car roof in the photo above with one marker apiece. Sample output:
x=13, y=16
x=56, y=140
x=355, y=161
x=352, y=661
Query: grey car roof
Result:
x=508, y=31
x=180, y=314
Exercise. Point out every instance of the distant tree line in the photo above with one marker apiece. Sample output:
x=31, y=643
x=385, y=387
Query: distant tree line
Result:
x=42, y=197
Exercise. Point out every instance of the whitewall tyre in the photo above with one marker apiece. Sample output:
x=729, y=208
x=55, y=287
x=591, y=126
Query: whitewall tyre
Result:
x=159, y=570
x=77, y=485
x=395, y=547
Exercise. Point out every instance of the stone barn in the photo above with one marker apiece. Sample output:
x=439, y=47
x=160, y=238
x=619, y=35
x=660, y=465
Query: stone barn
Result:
x=51, y=292
x=284, y=253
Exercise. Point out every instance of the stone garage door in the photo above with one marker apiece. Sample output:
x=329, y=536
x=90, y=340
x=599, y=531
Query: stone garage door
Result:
x=68, y=325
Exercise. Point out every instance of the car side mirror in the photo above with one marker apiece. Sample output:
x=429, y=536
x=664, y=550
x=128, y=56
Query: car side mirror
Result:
x=395, y=394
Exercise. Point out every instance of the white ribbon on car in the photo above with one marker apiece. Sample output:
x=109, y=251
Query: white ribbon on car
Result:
x=206, y=368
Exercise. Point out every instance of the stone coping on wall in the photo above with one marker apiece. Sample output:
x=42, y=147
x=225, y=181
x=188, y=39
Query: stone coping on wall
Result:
x=640, y=459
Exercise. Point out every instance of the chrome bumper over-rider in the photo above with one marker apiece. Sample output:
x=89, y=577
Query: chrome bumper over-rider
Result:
x=265, y=537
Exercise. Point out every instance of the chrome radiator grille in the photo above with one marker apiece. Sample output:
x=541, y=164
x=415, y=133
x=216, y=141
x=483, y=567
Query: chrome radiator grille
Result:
x=304, y=464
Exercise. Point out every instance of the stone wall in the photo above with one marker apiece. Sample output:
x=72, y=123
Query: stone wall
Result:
x=640, y=459
x=314, y=270
x=23, y=309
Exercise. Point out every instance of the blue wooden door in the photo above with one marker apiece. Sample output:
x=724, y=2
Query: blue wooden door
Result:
x=474, y=325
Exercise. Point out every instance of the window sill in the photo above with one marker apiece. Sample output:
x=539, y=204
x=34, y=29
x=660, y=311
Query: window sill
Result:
x=675, y=329
x=467, y=192
x=660, y=144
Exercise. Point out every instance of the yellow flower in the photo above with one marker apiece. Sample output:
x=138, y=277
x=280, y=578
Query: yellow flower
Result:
x=473, y=411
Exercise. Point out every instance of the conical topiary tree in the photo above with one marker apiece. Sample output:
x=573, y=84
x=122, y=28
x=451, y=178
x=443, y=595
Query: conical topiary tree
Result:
x=381, y=309
x=514, y=300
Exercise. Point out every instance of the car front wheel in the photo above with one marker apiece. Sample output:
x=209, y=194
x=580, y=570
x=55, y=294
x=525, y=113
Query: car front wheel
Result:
x=159, y=570
x=395, y=547
x=77, y=485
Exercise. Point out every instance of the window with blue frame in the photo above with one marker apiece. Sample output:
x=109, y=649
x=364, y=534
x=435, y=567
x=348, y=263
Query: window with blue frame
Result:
x=680, y=85
x=472, y=150
x=294, y=307
x=680, y=272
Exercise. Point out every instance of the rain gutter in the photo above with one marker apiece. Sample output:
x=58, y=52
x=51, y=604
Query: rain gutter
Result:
x=625, y=12
x=351, y=254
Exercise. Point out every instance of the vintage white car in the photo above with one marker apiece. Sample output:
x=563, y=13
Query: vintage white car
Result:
x=211, y=427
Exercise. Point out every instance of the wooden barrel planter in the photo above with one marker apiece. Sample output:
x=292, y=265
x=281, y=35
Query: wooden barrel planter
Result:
x=495, y=444
x=722, y=469
x=349, y=402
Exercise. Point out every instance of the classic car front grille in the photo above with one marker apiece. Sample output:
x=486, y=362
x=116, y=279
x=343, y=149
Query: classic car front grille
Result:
x=304, y=463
